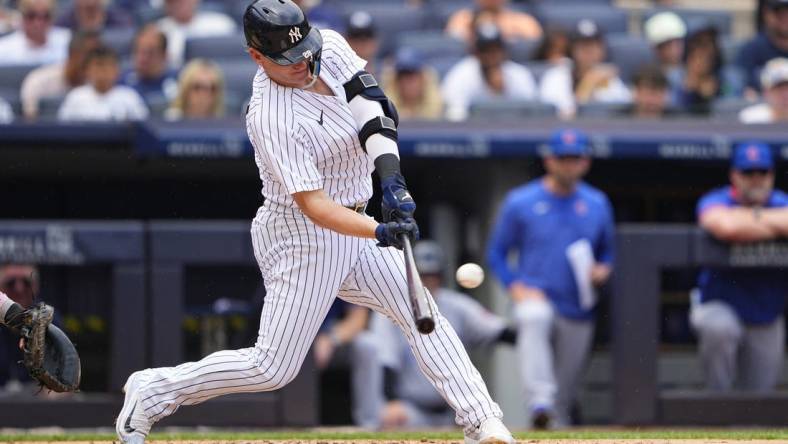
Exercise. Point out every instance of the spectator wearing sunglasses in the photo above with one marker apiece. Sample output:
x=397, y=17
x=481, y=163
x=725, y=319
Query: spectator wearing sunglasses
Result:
x=38, y=41
x=200, y=92
x=738, y=313
x=20, y=283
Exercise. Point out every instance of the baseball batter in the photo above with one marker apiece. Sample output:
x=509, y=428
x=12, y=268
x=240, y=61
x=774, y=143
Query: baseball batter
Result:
x=319, y=125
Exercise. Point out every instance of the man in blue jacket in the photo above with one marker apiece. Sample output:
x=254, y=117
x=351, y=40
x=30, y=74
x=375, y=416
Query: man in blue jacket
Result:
x=562, y=232
x=738, y=313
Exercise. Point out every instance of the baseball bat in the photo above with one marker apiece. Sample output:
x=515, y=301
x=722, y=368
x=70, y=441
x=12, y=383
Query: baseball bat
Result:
x=422, y=313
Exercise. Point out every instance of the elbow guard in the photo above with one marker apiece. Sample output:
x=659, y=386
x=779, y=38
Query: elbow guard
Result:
x=366, y=100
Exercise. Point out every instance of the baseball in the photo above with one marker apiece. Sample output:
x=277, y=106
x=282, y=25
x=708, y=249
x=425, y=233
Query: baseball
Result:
x=470, y=275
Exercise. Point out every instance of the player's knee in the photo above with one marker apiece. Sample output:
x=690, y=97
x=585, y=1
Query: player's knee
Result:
x=718, y=326
x=274, y=371
x=719, y=333
x=534, y=313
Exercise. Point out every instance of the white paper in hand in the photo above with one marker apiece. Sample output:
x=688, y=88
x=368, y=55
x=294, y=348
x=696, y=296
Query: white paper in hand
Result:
x=581, y=259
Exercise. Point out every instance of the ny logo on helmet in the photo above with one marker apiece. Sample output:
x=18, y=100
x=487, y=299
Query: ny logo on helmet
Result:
x=295, y=35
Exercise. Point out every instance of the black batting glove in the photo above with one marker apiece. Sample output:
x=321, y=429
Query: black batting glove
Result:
x=389, y=234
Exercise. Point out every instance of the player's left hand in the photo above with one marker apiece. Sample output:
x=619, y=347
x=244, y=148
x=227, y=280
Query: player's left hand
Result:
x=397, y=203
x=600, y=273
x=388, y=233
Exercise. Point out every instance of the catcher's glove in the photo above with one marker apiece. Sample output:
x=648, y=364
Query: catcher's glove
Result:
x=49, y=355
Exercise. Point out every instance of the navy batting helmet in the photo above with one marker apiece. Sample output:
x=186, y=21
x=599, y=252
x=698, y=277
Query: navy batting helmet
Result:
x=281, y=32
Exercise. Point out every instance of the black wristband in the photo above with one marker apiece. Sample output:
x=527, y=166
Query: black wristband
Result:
x=389, y=383
x=387, y=165
x=14, y=310
x=508, y=335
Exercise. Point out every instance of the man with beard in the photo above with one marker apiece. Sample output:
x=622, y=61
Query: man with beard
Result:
x=562, y=232
x=738, y=313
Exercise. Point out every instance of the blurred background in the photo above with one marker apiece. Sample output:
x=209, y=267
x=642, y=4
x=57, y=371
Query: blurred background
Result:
x=128, y=184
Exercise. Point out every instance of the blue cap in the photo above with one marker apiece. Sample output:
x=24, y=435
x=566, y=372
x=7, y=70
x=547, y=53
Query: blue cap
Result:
x=569, y=142
x=408, y=59
x=752, y=156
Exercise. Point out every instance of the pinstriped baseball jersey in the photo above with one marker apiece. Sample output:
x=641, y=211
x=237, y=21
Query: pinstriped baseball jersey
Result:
x=307, y=141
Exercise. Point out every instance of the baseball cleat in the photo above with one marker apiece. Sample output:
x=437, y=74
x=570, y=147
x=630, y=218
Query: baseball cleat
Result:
x=132, y=426
x=540, y=419
x=490, y=431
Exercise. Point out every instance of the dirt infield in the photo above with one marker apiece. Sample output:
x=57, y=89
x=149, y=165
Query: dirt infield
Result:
x=433, y=441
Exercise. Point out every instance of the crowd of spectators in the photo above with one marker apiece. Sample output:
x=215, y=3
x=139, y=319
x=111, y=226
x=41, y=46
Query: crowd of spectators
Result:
x=477, y=51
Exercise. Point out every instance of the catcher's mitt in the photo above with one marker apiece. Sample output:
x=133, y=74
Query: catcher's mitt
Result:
x=49, y=355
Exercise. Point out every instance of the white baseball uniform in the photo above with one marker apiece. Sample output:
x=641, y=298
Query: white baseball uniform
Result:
x=306, y=141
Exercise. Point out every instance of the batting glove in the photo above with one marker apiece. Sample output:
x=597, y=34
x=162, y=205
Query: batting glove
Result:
x=397, y=203
x=388, y=233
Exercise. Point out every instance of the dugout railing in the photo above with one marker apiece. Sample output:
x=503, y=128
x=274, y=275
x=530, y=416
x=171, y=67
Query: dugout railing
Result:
x=643, y=252
x=149, y=263
x=117, y=246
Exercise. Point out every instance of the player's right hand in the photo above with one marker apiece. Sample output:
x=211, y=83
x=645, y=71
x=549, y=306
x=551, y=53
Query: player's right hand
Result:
x=388, y=233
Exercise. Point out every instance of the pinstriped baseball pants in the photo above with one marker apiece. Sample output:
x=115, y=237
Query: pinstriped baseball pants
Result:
x=304, y=268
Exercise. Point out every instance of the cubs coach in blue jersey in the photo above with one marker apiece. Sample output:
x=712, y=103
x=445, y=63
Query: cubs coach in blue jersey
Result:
x=546, y=222
x=738, y=313
x=319, y=125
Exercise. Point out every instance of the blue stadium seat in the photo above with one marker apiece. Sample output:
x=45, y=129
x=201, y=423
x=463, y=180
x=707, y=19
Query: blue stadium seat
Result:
x=629, y=53
x=360, y=4
x=392, y=20
x=120, y=39
x=229, y=47
x=522, y=51
x=48, y=107
x=601, y=110
x=12, y=76
x=538, y=69
x=440, y=11
x=432, y=43
x=609, y=18
x=157, y=105
x=722, y=20
x=442, y=64
x=238, y=76
x=510, y=109
x=11, y=95
x=728, y=109
x=572, y=2
x=730, y=47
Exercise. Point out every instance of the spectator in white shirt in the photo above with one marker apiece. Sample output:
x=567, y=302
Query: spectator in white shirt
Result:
x=486, y=74
x=185, y=21
x=774, y=83
x=55, y=80
x=37, y=42
x=100, y=99
x=587, y=78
